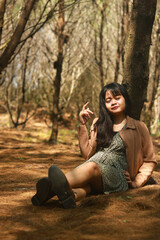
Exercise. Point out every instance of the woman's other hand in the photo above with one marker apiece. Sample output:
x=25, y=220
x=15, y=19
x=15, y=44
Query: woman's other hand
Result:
x=84, y=115
x=131, y=183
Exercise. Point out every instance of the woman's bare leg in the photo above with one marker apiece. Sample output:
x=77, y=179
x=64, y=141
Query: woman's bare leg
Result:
x=88, y=174
x=81, y=193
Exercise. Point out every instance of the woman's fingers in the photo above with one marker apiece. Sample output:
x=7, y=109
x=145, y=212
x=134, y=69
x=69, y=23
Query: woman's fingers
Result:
x=89, y=111
x=127, y=176
x=128, y=180
x=126, y=173
x=131, y=183
x=86, y=109
x=85, y=117
x=85, y=105
x=85, y=114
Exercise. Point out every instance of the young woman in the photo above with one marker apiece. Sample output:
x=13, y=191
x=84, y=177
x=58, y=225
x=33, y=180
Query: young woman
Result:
x=118, y=150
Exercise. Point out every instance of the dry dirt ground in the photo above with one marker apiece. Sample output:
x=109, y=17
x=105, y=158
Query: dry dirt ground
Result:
x=25, y=157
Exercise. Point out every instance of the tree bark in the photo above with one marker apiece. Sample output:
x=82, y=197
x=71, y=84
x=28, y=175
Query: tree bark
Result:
x=150, y=111
x=101, y=48
x=2, y=11
x=121, y=42
x=20, y=106
x=8, y=52
x=57, y=81
x=136, y=71
x=100, y=59
x=156, y=77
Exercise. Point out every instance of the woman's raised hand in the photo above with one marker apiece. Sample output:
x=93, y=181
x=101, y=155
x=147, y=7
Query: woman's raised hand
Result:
x=84, y=115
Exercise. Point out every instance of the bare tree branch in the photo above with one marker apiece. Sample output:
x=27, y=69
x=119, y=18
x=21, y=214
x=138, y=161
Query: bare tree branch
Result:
x=8, y=52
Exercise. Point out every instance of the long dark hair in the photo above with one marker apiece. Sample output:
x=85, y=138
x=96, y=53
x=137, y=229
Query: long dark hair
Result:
x=104, y=124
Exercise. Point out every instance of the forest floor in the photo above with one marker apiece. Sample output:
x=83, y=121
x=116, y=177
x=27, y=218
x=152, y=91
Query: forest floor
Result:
x=25, y=157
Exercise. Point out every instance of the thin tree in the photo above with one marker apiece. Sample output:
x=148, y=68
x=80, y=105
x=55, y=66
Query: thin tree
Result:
x=136, y=70
x=16, y=93
x=123, y=26
x=98, y=52
x=58, y=66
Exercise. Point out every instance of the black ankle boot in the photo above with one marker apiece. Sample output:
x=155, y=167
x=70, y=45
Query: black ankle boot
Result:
x=61, y=187
x=44, y=192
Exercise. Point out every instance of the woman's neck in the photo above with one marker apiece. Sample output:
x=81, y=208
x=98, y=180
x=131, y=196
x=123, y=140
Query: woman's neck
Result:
x=119, y=118
x=119, y=122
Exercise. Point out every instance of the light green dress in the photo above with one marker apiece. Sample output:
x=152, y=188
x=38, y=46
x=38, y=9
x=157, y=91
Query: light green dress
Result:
x=112, y=162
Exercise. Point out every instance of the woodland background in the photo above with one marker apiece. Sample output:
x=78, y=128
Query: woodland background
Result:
x=57, y=55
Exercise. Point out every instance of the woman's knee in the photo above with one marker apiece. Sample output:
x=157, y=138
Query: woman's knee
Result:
x=94, y=169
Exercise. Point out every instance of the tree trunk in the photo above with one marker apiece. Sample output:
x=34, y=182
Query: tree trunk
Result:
x=150, y=111
x=99, y=58
x=14, y=41
x=57, y=81
x=136, y=71
x=2, y=11
x=16, y=114
x=121, y=42
x=101, y=48
x=156, y=76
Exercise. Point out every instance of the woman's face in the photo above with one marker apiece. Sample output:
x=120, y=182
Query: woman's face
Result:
x=115, y=104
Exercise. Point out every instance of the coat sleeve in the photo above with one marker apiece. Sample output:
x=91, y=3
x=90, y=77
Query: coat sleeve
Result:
x=149, y=161
x=87, y=142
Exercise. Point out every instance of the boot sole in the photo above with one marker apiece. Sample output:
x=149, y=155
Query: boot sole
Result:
x=43, y=187
x=61, y=187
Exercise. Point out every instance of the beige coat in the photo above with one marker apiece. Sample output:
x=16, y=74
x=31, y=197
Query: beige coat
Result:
x=139, y=148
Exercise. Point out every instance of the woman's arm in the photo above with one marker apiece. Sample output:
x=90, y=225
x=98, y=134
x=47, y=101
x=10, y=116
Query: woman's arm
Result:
x=149, y=161
x=144, y=173
x=87, y=142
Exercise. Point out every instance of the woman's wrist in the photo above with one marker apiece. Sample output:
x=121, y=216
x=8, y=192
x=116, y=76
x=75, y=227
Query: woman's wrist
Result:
x=82, y=123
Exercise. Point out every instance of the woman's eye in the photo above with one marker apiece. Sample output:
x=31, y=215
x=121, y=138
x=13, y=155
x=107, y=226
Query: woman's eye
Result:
x=117, y=98
x=108, y=100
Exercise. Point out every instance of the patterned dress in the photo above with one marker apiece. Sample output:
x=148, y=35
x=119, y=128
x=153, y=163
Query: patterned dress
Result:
x=112, y=162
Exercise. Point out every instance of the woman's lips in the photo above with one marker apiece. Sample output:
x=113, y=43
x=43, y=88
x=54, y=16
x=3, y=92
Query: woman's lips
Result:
x=114, y=108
